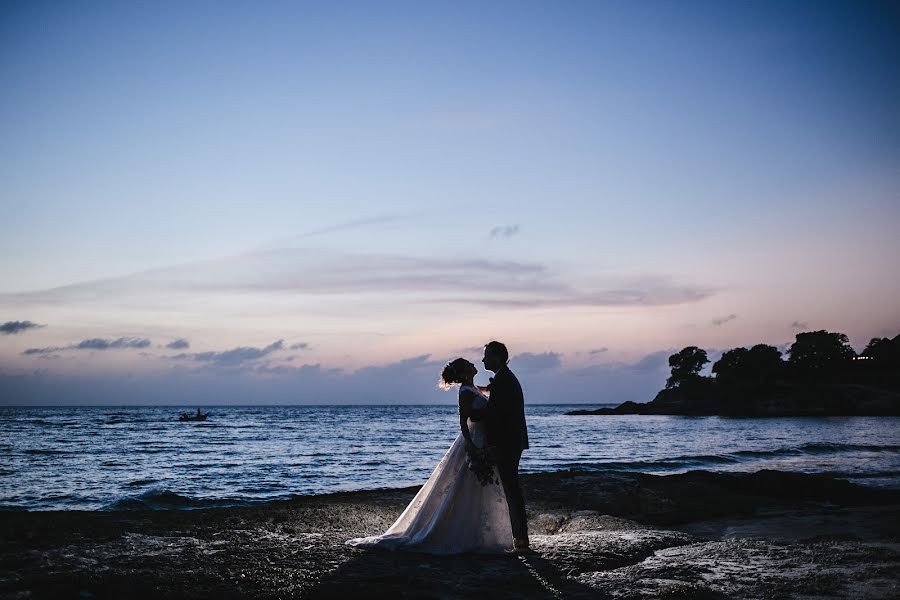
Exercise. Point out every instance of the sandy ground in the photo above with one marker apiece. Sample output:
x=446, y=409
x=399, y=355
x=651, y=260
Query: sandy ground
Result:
x=594, y=535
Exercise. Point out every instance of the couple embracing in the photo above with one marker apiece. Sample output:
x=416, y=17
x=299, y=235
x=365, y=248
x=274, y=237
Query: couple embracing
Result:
x=472, y=501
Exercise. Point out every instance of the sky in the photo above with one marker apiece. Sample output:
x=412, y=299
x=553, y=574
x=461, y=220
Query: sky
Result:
x=267, y=202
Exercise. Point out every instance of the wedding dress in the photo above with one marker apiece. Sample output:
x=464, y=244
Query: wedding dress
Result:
x=453, y=512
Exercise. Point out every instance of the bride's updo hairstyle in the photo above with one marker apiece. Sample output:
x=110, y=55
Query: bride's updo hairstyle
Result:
x=452, y=374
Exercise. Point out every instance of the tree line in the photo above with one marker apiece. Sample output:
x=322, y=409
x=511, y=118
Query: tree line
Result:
x=820, y=356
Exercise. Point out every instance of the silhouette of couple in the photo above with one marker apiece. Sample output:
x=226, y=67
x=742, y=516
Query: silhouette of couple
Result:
x=472, y=501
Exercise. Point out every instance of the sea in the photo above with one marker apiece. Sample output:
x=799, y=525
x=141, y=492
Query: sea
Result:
x=132, y=458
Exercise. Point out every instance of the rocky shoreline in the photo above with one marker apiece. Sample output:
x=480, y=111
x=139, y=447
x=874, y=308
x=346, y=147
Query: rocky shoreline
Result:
x=595, y=534
x=706, y=397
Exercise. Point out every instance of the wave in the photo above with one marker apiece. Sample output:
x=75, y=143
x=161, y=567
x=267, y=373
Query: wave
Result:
x=42, y=451
x=742, y=456
x=140, y=482
x=677, y=462
x=870, y=475
x=162, y=499
x=817, y=448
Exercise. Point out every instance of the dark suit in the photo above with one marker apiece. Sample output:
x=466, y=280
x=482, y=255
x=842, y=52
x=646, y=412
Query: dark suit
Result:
x=508, y=433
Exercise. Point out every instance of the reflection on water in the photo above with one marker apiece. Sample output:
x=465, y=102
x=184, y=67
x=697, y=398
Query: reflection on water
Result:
x=118, y=457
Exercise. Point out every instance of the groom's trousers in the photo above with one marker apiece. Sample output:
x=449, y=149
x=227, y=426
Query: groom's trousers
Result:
x=508, y=468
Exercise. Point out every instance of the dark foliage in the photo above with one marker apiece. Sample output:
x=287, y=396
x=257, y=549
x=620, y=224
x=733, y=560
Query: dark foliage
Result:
x=761, y=364
x=686, y=365
x=819, y=352
x=824, y=376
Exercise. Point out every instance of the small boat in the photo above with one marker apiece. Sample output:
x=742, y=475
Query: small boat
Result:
x=193, y=417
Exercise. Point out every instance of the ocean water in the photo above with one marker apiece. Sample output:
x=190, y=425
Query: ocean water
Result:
x=108, y=458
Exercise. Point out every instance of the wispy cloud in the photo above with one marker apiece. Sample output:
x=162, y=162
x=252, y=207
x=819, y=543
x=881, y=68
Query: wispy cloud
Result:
x=472, y=350
x=234, y=357
x=46, y=350
x=94, y=344
x=354, y=224
x=13, y=327
x=179, y=344
x=799, y=325
x=596, y=351
x=650, y=364
x=653, y=361
x=723, y=320
x=265, y=382
x=299, y=346
x=504, y=231
x=529, y=361
x=425, y=280
x=350, y=225
x=396, y=370
x=104, y=344
x=647, y=291
x=307, y=272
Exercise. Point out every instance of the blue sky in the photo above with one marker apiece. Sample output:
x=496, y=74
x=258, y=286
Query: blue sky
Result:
x=385, y=187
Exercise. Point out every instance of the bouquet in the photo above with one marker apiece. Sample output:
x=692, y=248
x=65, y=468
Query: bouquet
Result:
x=482, y=462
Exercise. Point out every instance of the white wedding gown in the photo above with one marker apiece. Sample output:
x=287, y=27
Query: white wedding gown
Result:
x=453, y=512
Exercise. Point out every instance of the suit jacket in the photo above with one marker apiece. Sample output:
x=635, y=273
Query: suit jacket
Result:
x=506, y=428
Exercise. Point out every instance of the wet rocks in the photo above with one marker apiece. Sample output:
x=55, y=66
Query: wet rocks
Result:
x=741, y=568
x=696, y=535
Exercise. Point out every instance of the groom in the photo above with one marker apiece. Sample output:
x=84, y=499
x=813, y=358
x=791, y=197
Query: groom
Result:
x=508, y=433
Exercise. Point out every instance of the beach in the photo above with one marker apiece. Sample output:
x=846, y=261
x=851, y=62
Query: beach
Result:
x=594, y=534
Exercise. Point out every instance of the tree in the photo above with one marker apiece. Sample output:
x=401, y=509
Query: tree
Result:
x=883, y=349
x=883, y=353
x=686, y=365
x=818, y=351
x=764, y=363
x=730, y=367
x=760, y=364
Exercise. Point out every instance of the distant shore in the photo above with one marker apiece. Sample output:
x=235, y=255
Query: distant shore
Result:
x=708, y=398
x=824, y=377
x=692, y=535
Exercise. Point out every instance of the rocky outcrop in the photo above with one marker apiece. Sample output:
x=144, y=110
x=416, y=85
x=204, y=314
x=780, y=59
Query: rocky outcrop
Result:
x=775, y=400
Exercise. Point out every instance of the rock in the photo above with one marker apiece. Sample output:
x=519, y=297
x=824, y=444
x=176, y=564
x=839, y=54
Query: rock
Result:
x=708, y=397
x=740, y=568
x=593, y=535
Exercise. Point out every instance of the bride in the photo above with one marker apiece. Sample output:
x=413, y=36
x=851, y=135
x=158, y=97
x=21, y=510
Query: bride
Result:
x=462, y=507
